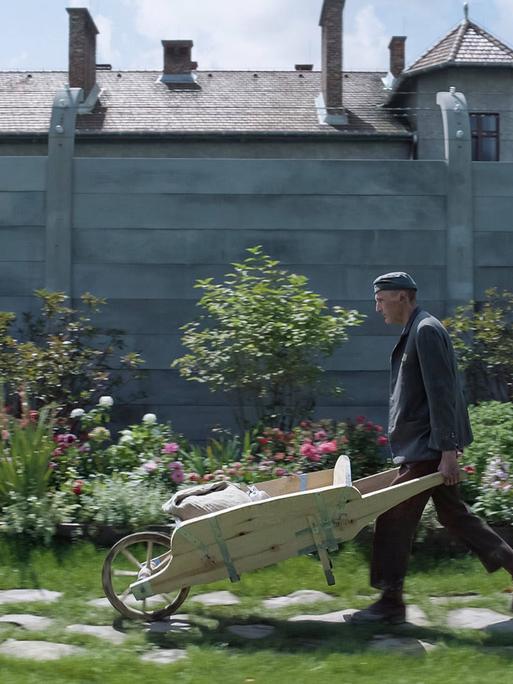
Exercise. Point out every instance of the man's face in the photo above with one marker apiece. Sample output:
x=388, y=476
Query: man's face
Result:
x=391, y=304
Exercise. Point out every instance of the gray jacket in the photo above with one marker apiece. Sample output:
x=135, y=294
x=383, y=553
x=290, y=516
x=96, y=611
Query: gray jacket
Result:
x=428, y=412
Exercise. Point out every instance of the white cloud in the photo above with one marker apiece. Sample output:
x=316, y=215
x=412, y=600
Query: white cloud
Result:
x=269, y=34
x=366, y=42
x=106, y=52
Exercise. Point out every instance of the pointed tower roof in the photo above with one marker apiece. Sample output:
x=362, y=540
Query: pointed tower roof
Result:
x=467, y=44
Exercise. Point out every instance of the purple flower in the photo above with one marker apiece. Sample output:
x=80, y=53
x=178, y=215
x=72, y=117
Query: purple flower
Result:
x=176, y=465
x=178, y=476
x=170, y=448
x=150, y=466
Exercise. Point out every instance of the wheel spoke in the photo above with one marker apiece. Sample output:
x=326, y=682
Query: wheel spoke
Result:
x=148, y=555
x=126, y=553
x=124, y=573
x=123, y=596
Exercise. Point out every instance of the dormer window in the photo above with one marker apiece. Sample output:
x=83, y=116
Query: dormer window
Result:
x=485, y=137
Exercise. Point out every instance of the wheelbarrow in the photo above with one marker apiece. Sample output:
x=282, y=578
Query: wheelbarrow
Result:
x=148, y=575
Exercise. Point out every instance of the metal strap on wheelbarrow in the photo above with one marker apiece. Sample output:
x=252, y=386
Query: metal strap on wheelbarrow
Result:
x=218, y=536
x=194, y=541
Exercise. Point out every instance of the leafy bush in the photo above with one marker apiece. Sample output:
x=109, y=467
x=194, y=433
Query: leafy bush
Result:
x=483, y=340
x=495, y=499
x=66, y=358
x=492, y=426
x=261, y=339
x=122, y=502
x=36, y=517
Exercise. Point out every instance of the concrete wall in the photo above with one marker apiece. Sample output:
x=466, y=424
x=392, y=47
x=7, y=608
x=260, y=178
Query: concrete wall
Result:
x=143, y=230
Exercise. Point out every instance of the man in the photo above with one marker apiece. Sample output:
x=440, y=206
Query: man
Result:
x=428, y=428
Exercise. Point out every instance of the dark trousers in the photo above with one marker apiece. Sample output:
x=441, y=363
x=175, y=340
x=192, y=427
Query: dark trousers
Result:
x=395, y=530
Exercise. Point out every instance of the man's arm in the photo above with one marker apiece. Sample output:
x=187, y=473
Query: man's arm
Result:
x=440, y=384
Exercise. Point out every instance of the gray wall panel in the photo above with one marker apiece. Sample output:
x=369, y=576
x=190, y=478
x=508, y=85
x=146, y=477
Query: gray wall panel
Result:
x=501, y=278
x=21, y=278
x=130, y=281
x=269, y=177
x=22, y=244
x=265, y=212
x=494, y=248
x=493, y=213
x=22, y=209
x=22, y=174
x=347, y=247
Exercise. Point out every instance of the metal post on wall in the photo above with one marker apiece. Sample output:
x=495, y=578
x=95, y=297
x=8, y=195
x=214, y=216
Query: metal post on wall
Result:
x=460, y=211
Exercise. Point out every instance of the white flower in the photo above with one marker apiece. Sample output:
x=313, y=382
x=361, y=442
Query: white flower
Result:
x=126, y=432
x=77, y=413
x=126, y=439
x=106, y=402
x=149, y=418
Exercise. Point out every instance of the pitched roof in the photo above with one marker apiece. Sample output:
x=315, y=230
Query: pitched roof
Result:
x=244, y=102
x=466, y=44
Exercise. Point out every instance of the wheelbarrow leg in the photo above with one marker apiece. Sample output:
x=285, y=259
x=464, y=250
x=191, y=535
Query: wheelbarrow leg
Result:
x=326, y=563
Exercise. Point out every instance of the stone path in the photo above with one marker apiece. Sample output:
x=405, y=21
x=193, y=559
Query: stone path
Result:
x=461, y=618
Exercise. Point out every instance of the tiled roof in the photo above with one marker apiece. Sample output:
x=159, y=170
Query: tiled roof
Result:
x=245, y=102
x=468, y=44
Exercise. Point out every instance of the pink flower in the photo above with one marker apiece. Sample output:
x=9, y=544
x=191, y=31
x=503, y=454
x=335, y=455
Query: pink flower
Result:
x=320, y=435
x=378, y=428
x=279, y=456
x=194, y=477
x=307, y=449
x=178, y=476
x=315, y=458
x=382, y=440
x=150, y=466
x=207, y=477
x=280, y=472
x=176, y=465
x=328, y=447
x=305, y=423
x=5, y=434
x=170, y=448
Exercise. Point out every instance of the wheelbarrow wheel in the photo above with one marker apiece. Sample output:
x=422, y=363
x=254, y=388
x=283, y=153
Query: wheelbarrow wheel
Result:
x=136, y=556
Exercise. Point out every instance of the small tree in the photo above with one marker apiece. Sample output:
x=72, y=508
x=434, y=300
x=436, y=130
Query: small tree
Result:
x=63, y=358
x=261, y=340
x=483, y=340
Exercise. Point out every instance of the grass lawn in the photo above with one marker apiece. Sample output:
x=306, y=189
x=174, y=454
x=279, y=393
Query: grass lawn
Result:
x=296, y=652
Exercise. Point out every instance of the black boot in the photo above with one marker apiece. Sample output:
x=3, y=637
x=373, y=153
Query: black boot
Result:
x=390, y=609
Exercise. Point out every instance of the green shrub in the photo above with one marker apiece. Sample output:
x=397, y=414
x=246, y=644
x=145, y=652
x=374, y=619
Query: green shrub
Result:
x=122, y=502
x=261, y=339
x=65, y=359
x=495, y=498
x=492, y=426
x=36, y=517
x=482, y=335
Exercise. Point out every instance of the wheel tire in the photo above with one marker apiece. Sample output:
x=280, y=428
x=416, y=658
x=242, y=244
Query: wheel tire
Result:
x=107, y=576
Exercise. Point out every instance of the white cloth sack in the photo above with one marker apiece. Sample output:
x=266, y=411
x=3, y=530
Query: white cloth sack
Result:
x=207, y=498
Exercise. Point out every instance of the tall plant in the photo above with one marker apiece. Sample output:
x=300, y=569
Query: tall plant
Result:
x=261, y=339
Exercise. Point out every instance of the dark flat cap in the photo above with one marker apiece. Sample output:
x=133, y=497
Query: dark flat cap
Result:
x=394, y=281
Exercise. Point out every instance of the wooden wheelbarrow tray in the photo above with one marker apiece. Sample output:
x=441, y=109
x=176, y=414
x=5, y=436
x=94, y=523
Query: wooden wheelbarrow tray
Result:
x=304, y=514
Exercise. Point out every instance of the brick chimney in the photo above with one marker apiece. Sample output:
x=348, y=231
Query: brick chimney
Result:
x=178, y=66
x=82, y=49
x=397, y=55
x=331, y=24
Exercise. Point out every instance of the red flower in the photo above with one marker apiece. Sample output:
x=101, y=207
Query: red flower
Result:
x=78, y=486
x=360, y=419
x=469, y=469
x=33, y=415
x=262, y=440
x=382, y=440
x=378, y=428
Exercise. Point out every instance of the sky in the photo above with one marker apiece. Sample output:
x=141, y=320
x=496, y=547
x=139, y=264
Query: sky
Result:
x=235, y=34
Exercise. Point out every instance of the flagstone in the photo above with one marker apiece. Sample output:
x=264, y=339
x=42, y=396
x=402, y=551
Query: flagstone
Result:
x=480, y=618
x=104, y=632
x=164, y=656
x=304, y=596
x=39, y=650
x=336, y=616
x=252, y=631
x=455, y=598
x=216, y=598
x=405, y=645
x=33, y=623
x=176, y=623
x=28, y=596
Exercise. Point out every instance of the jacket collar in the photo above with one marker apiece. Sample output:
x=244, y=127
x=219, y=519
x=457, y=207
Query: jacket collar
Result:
x=412, y=317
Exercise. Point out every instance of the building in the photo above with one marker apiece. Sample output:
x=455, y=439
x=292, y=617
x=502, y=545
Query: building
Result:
x=133, y=185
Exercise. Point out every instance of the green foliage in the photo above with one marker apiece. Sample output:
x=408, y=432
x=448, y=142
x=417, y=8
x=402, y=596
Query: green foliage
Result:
x=483, y=340
x=492, y=426
x=36, y=517
x=261, y=339
x=65, y=358
x=495, y=499
x=25, y=452
x=122, y=502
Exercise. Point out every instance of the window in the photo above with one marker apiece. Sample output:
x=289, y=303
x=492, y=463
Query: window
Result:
x=485, y=137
